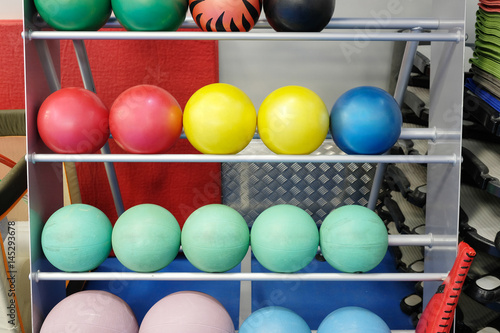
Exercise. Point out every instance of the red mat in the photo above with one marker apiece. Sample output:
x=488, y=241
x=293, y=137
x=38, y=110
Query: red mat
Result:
x=180, y=67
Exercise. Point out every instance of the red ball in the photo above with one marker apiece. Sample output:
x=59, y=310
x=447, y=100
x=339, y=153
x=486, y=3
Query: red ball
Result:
x=73, y=121
x=145, y=119
x=225, y=15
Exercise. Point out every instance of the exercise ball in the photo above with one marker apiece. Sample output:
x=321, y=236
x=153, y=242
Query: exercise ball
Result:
x=299, y=15
x=215, y=238
x=73, y=121
x=365, y=120
x=293, y=120
x=146, y=238
x=353, y=239
x=225, y=15
x=74, y=15
x=187, y=312
x=353, y=319
x=275, y=319
x=77, y=238
x=91, y=311
x=150, y=15
x=145, y=119
x=219, y=118
x=284, y=238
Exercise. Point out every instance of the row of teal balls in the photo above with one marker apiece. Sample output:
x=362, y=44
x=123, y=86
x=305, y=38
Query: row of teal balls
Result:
x=193, y=311
x=215, y=238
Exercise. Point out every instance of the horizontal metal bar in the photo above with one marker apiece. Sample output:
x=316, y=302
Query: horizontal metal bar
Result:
x=274, y=36
x=406, y=134
x=422, y=240
x=335, y=23
x=188, y=276
x=348, y=23
x=202, y=158
x=410, y=240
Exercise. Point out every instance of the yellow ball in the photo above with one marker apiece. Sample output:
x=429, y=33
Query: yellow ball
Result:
x=293, y=120
x=219, y=119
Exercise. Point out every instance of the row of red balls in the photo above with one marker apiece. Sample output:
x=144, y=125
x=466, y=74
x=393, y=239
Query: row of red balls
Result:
x=168, y=15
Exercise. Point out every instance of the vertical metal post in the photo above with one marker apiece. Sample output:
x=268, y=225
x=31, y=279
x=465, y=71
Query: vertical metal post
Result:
x=401, y=86
x=445, y=113
x=88, y=82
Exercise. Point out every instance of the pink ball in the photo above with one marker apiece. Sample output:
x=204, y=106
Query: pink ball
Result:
x=187, y=312
x=91, y=311
x=73, y=121
x=145, y=119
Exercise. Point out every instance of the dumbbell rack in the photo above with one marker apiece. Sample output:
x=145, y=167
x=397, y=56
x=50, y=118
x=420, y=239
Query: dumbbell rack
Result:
x=443, y=136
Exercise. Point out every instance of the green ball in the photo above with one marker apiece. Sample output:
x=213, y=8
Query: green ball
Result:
x=146, y=238
x=284, y=238
x=77, y=238
x=150, y=15
x=74, y=14
x=215, y=238
x=353, y=239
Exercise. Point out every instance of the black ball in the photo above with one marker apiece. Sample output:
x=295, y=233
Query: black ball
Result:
x=299, y=15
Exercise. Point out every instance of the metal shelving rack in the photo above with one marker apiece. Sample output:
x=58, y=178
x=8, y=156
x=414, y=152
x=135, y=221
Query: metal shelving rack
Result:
x=45, y=180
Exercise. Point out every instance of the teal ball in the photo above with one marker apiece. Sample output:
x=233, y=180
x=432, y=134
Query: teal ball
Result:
x=353, y=239
x=146, y=238
x=284, y=238
x=77, y=238
x=215, y=238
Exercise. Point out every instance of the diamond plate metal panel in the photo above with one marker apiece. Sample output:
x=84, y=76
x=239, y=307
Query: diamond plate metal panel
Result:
x=319, y=188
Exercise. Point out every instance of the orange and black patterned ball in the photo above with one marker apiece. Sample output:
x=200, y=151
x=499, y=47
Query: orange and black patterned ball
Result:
x=225, y=15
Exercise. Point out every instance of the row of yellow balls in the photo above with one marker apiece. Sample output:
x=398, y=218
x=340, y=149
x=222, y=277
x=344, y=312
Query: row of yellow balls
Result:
x=221, y=119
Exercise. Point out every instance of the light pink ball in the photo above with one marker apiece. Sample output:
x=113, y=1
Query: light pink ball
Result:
x=187, y=312
x=91, y=311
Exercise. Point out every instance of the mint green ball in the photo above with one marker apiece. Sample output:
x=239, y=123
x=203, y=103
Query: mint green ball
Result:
x=146, y=238
x=77, y=238
x=284, y=238
x=353, y=239
x=215, y=238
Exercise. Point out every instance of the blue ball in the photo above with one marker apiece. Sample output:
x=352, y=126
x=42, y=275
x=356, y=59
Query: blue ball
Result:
x=275, y=319
x=365, y=120
x=353, y=319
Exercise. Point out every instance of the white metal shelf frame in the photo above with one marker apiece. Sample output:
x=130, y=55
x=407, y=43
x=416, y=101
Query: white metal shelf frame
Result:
x=444, y=157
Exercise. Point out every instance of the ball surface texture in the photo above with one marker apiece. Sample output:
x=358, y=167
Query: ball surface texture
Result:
x=274, y=319
x=353, y=239
x=146, y=238
x=74, y=15
x=284, y=238
x=77, y=238
x=73, y=121
x=293, y=120
x=91, y=311
x=365, y=120
x=145, y=119
x=187, y=312
x=353, y=319
x=299, y=15
x=150, y=15
x=225, y=15
x=219, y=119
x=215, y=238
